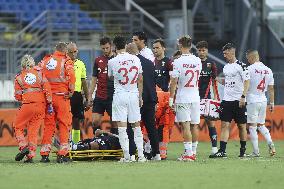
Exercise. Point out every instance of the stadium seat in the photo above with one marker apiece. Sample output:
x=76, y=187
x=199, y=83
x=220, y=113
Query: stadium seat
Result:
x=28, y=10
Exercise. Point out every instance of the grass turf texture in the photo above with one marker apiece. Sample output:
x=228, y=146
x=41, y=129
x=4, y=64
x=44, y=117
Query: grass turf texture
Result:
x=265, y=172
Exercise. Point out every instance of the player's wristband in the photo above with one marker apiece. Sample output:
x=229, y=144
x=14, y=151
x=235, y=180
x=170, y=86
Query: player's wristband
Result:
x=171, y=102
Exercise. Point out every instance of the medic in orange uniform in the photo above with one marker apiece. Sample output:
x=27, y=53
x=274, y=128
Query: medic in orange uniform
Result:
x=58, y=69
x=33, y=90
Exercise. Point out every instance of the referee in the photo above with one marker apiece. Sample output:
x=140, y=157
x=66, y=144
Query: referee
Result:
x=233, y=105
x=77, y=105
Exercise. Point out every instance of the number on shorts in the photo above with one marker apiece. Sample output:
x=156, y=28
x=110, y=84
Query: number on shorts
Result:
x=261, y=85
x=192, y=74
x=125, y=75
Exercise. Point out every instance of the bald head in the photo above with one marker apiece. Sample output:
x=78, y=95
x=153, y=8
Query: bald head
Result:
x=132, y=48
x=252, y=56
x=72, y=50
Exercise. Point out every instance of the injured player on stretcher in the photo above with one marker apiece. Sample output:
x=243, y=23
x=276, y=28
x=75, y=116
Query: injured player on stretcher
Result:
x=103, y=140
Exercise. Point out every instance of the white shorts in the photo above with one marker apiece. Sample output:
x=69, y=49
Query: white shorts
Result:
x=188, y=112
x=125, y=107
x=256, y=112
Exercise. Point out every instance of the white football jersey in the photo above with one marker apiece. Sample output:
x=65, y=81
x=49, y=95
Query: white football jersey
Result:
x=187, y=69
x=235, y=75
x=125, y=68
x=147, y=53
x=260, y=77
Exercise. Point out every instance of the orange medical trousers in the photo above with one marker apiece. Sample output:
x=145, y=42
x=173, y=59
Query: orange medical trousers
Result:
x=30, y=116
x=63, y=117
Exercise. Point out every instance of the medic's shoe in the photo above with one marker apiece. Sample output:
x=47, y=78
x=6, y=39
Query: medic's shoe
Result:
x=44, y=159
x=272, y=150
x=22, y=154
x=63, y=159
x=185, y=157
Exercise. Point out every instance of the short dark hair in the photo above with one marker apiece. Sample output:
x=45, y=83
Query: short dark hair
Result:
x=202, y=44
x=161, y=42
x=105, y=40
x=141, y=35
x=185, y=41
x=119, y=42
x=229, y=46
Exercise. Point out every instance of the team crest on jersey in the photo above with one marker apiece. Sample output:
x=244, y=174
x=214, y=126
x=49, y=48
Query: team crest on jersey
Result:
x=30, y=78
x=208, y=64
x=51, y=65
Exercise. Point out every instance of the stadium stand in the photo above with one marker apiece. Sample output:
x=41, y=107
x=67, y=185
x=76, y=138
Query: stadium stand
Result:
x=22, y=11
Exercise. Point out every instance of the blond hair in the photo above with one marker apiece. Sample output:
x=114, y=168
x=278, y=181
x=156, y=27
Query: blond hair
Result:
x=27, y=61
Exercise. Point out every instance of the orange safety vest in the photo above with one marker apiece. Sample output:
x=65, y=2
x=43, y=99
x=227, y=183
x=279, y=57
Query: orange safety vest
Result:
x=32, y=86
x=59, y=71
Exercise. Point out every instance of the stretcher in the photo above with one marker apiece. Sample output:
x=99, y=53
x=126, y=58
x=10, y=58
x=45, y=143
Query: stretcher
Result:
x=94, y=154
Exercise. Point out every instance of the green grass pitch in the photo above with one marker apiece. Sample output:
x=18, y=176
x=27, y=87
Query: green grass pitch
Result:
x=253, y=173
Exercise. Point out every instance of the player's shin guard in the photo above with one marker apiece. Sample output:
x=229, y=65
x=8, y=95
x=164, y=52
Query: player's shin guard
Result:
x=213, y=136
x=138, y=138
x=124, y=141
x=265, y=133
x=254, y=139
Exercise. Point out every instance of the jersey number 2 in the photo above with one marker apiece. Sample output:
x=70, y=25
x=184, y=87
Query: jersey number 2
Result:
x=125, y=75
x=261, y=85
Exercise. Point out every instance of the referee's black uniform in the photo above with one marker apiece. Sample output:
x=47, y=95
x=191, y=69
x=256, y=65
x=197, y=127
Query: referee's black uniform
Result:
x=149, y=102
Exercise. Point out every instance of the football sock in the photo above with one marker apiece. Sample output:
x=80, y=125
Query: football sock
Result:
x=124, y=141
x=213, y=136
x=148, y=147
x=254, y=139
x=194, y=147
x=138, y=138
x=223, y=146
x=188, y=148
x=75, y=135
x=243, y=144
x=265, y=132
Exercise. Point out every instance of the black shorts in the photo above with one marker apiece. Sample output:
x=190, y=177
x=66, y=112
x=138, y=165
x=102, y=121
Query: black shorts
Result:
x=230, y=110
x=101, y=106
x=77, y=105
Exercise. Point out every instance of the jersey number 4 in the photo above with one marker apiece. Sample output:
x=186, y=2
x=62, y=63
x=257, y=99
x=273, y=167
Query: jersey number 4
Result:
x=261, y=85
x=191, y=76
x=125, y=72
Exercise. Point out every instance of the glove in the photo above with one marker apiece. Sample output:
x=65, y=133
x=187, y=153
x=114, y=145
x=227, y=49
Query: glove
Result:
x=49, y=109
